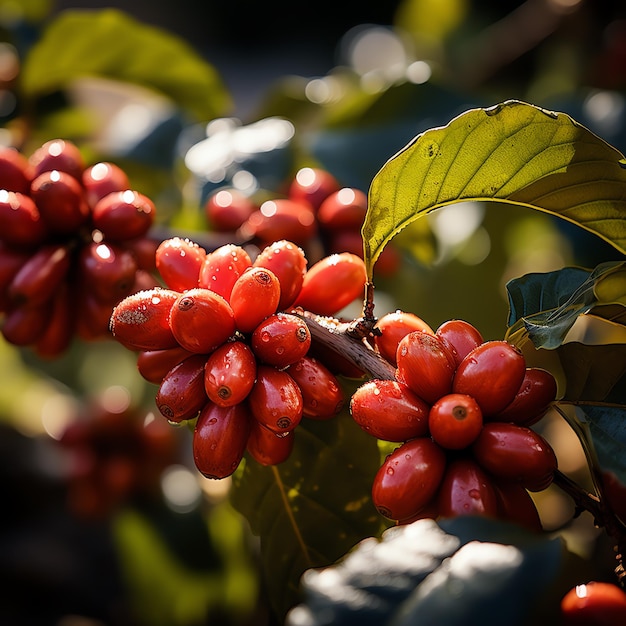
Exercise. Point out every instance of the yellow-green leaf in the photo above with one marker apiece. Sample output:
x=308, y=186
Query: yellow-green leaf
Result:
x=514, y=153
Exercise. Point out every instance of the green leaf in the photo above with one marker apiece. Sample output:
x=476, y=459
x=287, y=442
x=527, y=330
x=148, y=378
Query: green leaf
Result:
x=309, y=510
x=510, y=153
x=111, y=44
x=462, y=571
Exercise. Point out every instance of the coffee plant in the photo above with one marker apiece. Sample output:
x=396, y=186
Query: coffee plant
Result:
x=335, y=452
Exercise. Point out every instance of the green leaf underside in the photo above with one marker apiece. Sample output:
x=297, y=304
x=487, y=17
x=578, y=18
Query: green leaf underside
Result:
x=111, y=44
x=311, y=509
x=511, y=153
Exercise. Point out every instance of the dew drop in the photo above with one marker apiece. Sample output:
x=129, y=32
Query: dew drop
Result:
x=474, y=494
x=265, y=336
x=390, y=471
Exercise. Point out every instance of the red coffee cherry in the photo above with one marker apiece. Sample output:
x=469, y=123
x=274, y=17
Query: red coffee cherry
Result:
x=312, y=185
x=281, y=339
x=101, y=179
x=281, y=218
x=491, y=373
x=60, y=155
x=393, y=327
x=332, y=283
x=178, y=262
x=15, y=170
x=41, y=275
x=230, y=373
x=24, y=325
x=201, y=320
x=153, y=365
x=141, y=320
x=124, y=215
x=460, y=337
x=227, y=209
x=594, y=604
x=466, y=489
x=389, y=410
x=222, y=267
x=61, y=201
x=516, y=505
x=615, y=493
x=267, y=447
x=181, y=393
x=255, y=296
x=425, y=365
x=59, y=330
x=408, y=479
x=532, y=400
x=11, y=260
x=288, y=263
x=455, y=420
x=276, y=400
x=220, y=438
x=20, y=221
x=344, y=209
x=515, y=452
x=322, y=396
x=144, y=251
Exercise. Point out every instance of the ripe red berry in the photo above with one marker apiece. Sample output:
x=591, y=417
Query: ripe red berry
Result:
x=255, y=296
x=178, y=262
x=281, y=218
x=20, y=221
x=454, y=421
x=201, y=320
x=15, y=170
x=181, y=393
x=24, y=325
x=267, y=447
x=57, y=154
x=343, y=209
x=101, y=179
x=288, y=262
x=389, y=410
x=516, y=505
x=322, y=396
x=227, y=209
x=59, y=330
x=276, y=400
x=332, y=283
x=594, y=604
x=513, y=452
x=220, y=438
x=141, y=320
x=460, y=337
x=281, y=339
x=425, y=365
x=153, y=365
x=312, y=185
x=393, y=327
x=124, y=215
x=491, y=373
x=230, y=373
x=466, y=489
x=408, y=478
x=532, y=400
x=222, y=267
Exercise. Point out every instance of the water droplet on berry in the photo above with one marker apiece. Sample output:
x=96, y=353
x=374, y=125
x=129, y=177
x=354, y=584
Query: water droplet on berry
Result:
x=474, y=494
x=265, y=336
x=280, y=350
x=390, y=471
x=213, y=420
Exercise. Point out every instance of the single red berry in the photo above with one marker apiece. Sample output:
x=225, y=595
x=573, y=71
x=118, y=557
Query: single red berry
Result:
x=516, y=505
x=513, y=452
x=281, y=339
x=227, y=209
x=466, y=489
x=222, y=267
x=59, y=330
x=220, y=438
x=425, y=365
x=312, y=185
x=153, y=365
x=11, y=260
x=343, y=209
x=267, y=447
x=594, y=604
x=460, y=337
x=393, y=327
x=57, y=154
x=454, y=421
x=276, y=400
x=230, y=373
x=281, y=218
x=201, y=320
x=21, y=224
x=15, y=170
x=389, y=410
x=178, y=261
x=101, y=179
x=255, y=296
x=491, y=373
x=124, y=215
x=614, y=491
x=24, y=325
x=408, y=478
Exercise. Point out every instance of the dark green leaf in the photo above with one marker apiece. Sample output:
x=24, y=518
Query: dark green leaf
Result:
x=311, y=509
x=111, y=44
x=464, y=571
x=511, y=153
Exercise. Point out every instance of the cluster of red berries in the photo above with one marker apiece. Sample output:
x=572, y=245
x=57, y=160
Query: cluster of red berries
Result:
x=225, y=344
x=314, y=208
x=113, y=456
x=73, y=243
x=462, y=409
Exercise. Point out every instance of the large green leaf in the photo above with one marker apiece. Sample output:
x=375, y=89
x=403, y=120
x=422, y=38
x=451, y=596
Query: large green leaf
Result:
x=309, y=510
x=510, y=153
x=112, y=44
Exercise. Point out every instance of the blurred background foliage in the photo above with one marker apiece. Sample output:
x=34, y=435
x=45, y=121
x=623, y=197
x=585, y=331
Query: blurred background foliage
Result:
x=191, y=96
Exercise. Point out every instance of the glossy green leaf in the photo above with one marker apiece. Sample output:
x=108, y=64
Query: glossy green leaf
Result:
x=309, y=510
x=511, y=153
x=111, y=44
x=462, y=571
